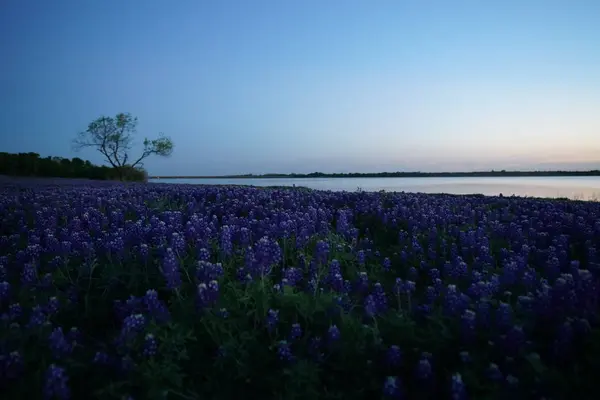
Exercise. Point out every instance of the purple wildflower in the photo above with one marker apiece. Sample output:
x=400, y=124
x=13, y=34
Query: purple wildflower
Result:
x=59, y=346
x=4, y=290
x=150, y=345
x=333, y=334
x=170, y=270
x=37, y=318
x=155, y=307
x=284, y=351
x=272, y=319
x=387, y=264
x=392, y=387
x=393, y=355
x=424, y=369
x=207, y=295
x=296, y=332
x=457, y=388
x=11, y=365
x=56, y=385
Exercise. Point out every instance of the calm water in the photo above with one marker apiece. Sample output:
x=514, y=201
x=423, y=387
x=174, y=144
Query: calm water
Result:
x=583, y=188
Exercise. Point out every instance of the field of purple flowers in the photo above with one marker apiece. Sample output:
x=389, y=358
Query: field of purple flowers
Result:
x=189, y=292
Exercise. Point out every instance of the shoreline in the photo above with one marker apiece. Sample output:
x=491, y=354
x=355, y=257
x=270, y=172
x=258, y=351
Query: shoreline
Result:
x=513, y=174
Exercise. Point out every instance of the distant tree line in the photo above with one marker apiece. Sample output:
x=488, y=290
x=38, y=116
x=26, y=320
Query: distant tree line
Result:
x=402, y=174
x=32, y=165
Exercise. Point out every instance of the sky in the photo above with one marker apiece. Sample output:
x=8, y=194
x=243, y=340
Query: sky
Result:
x=312, y=85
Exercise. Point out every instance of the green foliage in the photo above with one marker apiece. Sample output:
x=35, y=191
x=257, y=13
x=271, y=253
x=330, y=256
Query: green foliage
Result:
x=32, y=165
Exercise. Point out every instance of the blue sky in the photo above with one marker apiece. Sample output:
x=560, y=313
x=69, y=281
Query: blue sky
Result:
x=298, y=86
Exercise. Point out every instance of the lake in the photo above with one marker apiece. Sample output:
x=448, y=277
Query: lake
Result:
x=572, y=187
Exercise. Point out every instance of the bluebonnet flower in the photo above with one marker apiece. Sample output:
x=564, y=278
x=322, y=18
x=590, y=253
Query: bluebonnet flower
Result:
x=494, y=372
x=333, y=334
x=156, y=308
x=284, y=352
x=409, y=287
x=177, y=242
x=513, y=341
x=504, y=315
x=207, y=295
x=11, y=365
x=37, y=318
x=57, y=383
x=53, y=305
x=511, y=381
x=564, y=338
x=468, y=322
x=72, y=295
x=343, y=222
x=413, y=274
x=170, y=270
x=266, y=253
x=272, y=319
x=144, y=251
x=225, y=240
x=322, y=251
x=222, y=352
x=452, y=302
x=150, y=345
x=457, y=388
x=4, y=290
x=370, y=306
x=206, y=271
x=431, y=294
x=347, y=286
x=362, y=285
x=14, y=311
x=361, y=257
x=483, y=309
x=296, y=331
x=245, y=236
x=465, y=357
x=434, y=273
x=132, y=326
x=424, y=369
x=379, y=297
x=392, y=387
x=203, y=254
x=293, y=276
x=223, y=313
x=59, y=346
x=393, y=355
x=46, y=280
x=387, y=264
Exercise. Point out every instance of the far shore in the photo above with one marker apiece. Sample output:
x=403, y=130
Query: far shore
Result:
x=395, y=175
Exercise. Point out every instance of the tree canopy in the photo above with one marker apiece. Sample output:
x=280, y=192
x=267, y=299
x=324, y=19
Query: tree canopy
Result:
x=32, y=165
x=114, y=139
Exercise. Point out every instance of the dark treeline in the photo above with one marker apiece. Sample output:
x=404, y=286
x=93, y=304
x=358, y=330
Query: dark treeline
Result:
x=32, y=165
x=401, y=174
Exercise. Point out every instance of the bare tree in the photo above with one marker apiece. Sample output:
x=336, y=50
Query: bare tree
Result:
x=113, y=138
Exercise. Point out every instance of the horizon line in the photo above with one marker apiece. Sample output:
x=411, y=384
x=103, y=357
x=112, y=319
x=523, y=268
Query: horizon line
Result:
x=374, y=174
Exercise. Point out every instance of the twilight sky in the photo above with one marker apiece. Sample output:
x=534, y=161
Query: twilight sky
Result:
x=310, y=85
